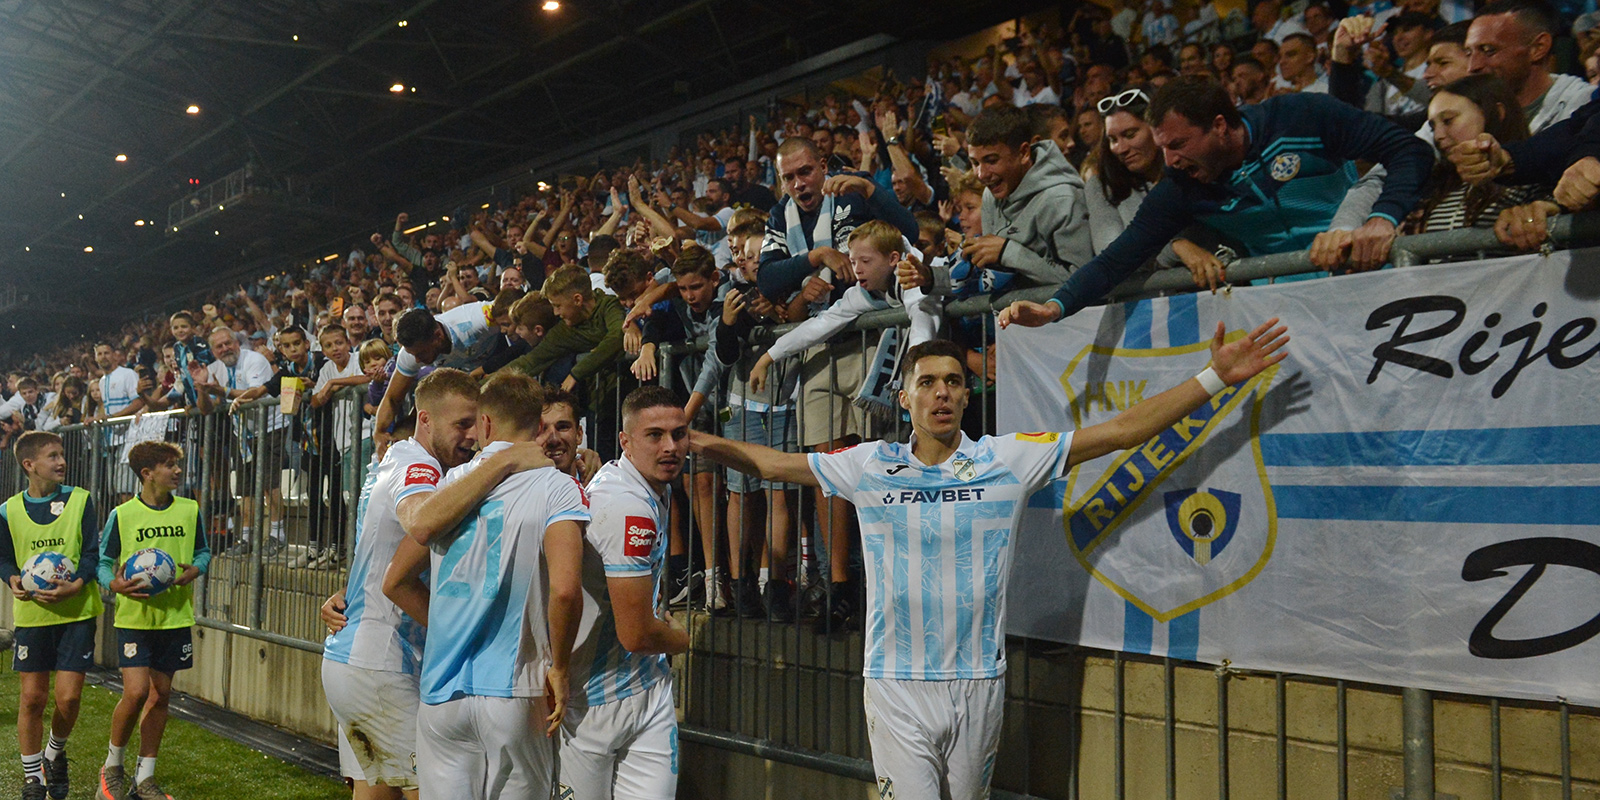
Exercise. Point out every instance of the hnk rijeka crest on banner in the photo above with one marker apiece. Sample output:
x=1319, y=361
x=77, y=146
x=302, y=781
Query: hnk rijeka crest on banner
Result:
x=1186, y=519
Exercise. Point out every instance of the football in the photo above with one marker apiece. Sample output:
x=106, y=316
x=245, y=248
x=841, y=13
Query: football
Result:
x=39, y=570
x=151, y=567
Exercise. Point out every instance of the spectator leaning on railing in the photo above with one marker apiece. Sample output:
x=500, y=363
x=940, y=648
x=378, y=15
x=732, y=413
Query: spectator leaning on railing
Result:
x=1233, y=176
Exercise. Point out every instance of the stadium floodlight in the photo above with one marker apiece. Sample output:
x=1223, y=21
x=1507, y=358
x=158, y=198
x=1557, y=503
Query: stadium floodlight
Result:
x=551, y=5
x=397, y=88
x=138, y=223
x=88, y=249
x=122, y=157
x=192, y=109
x=402, y=23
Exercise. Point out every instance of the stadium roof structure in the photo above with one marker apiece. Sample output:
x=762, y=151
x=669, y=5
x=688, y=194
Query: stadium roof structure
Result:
x=337, y=111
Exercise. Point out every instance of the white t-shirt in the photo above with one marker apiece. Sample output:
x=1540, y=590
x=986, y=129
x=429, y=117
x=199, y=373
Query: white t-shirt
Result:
x=379, y=636
x=466, y=325
x=341, y=409
x=717, y=241
x=118, y=390
x=250, y=370
x=937, y=543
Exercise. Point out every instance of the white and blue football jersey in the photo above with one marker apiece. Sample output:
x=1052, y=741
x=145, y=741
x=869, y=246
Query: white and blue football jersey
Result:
x=379, y=636
x=488, y=633
x=628, y=539
x=466, y=325
x=937, y=545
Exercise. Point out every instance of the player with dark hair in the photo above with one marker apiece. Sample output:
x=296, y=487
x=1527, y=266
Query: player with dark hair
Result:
x=935, y=648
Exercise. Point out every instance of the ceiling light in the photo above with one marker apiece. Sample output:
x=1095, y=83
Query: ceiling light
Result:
x=80, y=216
x=485, y=205
x=219, y=208
x=63, y=194
x=122, y=157
x=88, y=249
x=295, y=37
x=402, y=23
x=216, y=233
x=138, y=223
x=192, y=110
x=551, y=5
x=413, y=88
x=397, y=88
x=26, y=249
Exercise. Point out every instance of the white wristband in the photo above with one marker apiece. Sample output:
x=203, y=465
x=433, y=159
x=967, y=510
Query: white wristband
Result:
x=1211, y=381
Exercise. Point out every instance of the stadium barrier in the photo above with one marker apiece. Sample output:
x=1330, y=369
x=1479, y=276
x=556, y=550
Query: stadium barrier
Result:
x=1080, y=722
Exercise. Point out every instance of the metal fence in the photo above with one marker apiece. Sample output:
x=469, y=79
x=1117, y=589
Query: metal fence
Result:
x=276, y=494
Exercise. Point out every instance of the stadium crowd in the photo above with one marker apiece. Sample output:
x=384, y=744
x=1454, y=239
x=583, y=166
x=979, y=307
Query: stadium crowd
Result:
x=1074, y=154
x=1078, y=152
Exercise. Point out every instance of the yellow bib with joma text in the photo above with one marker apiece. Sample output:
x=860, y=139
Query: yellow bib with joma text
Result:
x=64, y=536
x=172, y=529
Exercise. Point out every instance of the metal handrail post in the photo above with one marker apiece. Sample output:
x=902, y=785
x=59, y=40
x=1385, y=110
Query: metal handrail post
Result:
x=1416, y=715
x=357, y=471
x=260, y=533
x=204, y=497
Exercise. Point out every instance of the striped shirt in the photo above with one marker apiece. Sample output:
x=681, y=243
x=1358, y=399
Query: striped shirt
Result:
x=629, y=535
x=488, y=634
x=937, y=541
x=379, y=636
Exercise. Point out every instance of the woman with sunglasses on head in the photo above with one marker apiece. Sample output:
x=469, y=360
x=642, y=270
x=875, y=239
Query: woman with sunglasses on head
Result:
x=1128, y=163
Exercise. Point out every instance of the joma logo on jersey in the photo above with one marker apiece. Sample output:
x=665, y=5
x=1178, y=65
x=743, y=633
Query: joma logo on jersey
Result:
x=932, y=496
x=158, y=532
x=421, y=474
x=38, y=543
x=640, y=536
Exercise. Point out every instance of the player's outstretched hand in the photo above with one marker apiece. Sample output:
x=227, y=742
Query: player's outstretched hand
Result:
x=556, y=692
x=1245, y=358
x=332, y=612
x=1029, y=314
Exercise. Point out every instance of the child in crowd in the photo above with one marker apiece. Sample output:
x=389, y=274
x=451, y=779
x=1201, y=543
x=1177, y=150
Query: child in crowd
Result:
x=591, y=325
x=374, y=356
x=55, y=627
x=153, y=631
x=187, y=346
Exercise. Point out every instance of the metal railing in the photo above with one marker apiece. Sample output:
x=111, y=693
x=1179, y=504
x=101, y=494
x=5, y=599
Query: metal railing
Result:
x=1080, y=722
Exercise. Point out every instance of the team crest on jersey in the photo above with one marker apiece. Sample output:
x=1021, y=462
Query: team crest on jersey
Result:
x=1188, y=517
x=57, y=507
x=640, y=537
x=1285, y=166
x=422, y=475
x=885, y=788
x=964, y=469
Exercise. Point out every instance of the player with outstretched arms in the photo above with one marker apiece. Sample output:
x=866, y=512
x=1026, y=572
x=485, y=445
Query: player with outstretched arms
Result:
x=937, y=521
x=619, y=740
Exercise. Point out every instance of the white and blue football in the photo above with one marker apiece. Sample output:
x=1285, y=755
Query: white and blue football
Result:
x=152, y=568
x=42, y=568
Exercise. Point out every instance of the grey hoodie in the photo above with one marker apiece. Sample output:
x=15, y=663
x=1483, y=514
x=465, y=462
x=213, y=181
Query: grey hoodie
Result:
x=1045, y=219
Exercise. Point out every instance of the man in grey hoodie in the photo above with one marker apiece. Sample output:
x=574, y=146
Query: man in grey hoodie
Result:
x=1035, y=217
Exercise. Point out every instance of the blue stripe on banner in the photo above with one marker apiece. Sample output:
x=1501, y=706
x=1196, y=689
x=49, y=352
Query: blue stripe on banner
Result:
x=1136, y=325
x=1138, y=629
x=1508, y=505
x=1568, y=444
x=1183, y=320
x=1183, y=637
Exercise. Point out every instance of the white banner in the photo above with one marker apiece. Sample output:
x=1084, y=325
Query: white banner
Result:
x=1411, y=498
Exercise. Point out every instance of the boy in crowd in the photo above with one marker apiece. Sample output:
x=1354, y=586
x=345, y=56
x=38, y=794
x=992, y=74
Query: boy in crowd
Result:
x=153, y=636
x=619, y=737
x=690, y=314
x=876, y=248
x=188, y=346
x=590, y=324
x=492, y=648
x=339, y=371
x=55, y=627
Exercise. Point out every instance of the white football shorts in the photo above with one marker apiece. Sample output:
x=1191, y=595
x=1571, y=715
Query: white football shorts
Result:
x=623, y=750
x=934, y=739
x=377, y=715
x=484, y=748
